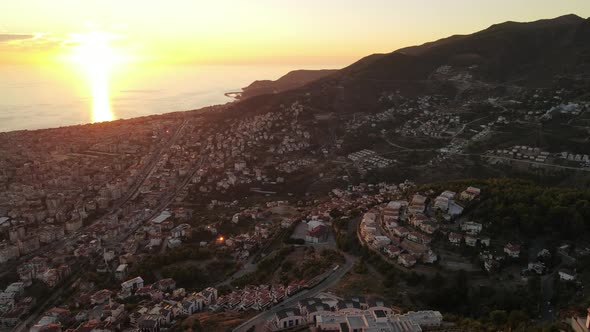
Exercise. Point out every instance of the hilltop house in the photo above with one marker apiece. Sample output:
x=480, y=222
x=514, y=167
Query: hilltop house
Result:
x=512, y=250
x=470, y=194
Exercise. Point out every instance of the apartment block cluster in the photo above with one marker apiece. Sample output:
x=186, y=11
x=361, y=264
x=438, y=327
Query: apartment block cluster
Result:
x=330, y=313
x=431, y=124
x=356, y=198
x=403, y=230
x=54, y=181
x=14, y=304
x=525, y=153
x=258, y=297
x=160, y=305
x=233, y=150
x=366, y=160
x=582, y=159
x=426, y=109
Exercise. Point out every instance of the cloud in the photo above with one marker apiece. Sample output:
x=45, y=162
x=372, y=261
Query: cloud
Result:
x=6, y=37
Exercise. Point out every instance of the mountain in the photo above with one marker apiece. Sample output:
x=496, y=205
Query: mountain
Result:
x=291, y=80
x=509, y=54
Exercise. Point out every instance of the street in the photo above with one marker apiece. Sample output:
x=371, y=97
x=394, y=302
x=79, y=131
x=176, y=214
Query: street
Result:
x=260, y=320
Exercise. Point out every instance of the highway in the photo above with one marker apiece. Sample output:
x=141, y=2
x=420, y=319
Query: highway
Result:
x=260, y=320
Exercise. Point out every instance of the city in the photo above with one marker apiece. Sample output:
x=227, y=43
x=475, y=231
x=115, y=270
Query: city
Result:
x=441, y=187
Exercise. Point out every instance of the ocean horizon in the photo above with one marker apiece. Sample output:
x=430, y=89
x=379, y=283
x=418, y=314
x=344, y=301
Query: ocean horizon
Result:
x=37, y=97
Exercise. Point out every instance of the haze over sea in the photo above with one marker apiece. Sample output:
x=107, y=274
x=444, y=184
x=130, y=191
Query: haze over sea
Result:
x=35, y=97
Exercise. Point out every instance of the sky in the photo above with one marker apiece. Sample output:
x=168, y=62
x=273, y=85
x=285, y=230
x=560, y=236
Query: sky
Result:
x=254, y=31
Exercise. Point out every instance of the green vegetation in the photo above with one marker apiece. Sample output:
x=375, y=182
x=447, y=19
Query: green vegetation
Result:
x=501, y=320
x=517, y=206
x=264, y=269
x=511, y=209
x=286, y=269
x=190, y=266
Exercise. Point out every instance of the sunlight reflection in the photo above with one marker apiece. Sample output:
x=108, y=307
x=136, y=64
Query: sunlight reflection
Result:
x=96, y=56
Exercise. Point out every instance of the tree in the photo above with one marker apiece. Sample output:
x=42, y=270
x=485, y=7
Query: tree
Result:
x=517, y=317
x=360, y=267
x=498, y=317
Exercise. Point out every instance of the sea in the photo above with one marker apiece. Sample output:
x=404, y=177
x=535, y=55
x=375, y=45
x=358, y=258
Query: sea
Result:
x=44, y=96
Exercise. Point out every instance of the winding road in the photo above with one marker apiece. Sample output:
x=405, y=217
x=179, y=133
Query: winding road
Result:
x=259, y=321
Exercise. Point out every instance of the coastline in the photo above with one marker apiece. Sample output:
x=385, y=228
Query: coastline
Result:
x=236, y=95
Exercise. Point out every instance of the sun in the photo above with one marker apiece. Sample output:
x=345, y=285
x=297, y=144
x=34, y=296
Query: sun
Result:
x=94, y=53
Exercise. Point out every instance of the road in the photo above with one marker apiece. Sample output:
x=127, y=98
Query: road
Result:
x=584, y=169
x=547, y=312
x=32, y=317
x=403, y=147
x=260, y=320
x=167, y=200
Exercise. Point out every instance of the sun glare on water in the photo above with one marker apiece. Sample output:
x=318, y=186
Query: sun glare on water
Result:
x=93, y=51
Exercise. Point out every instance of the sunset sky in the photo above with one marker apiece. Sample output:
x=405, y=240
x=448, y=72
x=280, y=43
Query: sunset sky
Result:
x=258, y=31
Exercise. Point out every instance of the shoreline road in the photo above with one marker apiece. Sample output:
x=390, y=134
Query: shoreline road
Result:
x=259, y=321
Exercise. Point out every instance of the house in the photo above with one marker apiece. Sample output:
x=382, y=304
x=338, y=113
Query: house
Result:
x=414, y=248
x=537, y=267
x=350, y=306
x=317, y=231
x=182, y=230
x=287, y=318
x=149, y=323
x=369, y=217
x=392, y=251
x=426, y=319
x=209, y=294
x=407, y=260
x=455, y=209
x=512, y=250
x=46, y=323
x=567, y=275
x=381, y=241
x=418, y=219
x=375, y=304
x=471, y=227
x=429, y=227
x=121, y=272
x=419, y=237
x=132, y=285
x=315, y=309
x=470, y=241
x=470, y=194
x=400, y=231
x=455, y=238
x=417, y=204
x=429, y=257
x=188, y=307
x=16, y=287
x=166, y=285
x=443, y=200
x=7, y=299
x=101, y=297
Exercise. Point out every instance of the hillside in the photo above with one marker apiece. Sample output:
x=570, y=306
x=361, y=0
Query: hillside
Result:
x=460, y=102
x=509, y=54
x=291, y=80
